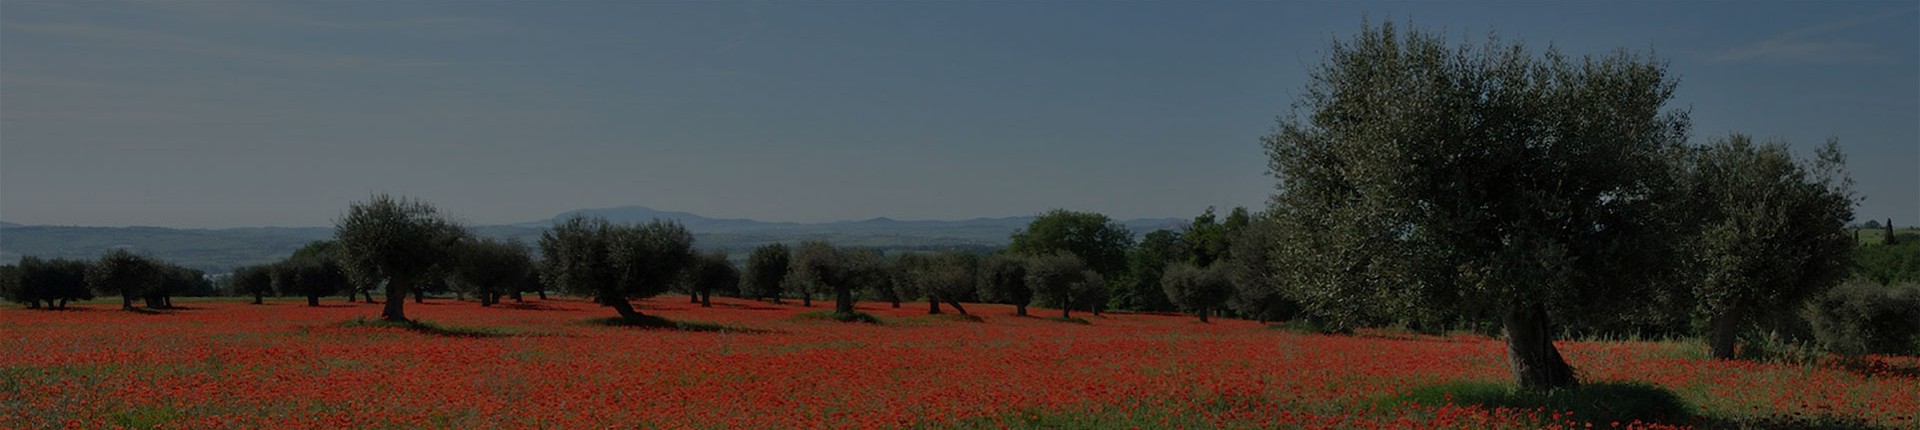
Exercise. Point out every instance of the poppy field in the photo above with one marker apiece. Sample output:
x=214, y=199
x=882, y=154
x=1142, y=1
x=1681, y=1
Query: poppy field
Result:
x=749, y=364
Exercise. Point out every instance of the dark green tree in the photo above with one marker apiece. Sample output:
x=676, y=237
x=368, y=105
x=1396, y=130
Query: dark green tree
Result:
x=1257, y=293
x=252, y=280
x=54, y=281
x=309, y=277
x=395, y=242
x=1100, y=242
x=1417, y=176
x=615, y=263
x=713, y=272
x=121, y=272
x=1058, y=276
x=1772, y=232
x=1145, y=262
x=11, y=290
x=1003, y=279
x=766, y=271
x=1195, y=289
x=487, y=268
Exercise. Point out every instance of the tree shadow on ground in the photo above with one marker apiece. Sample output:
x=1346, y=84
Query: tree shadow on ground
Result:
x=531, y=306
x=431, y=329
x=1874, y=367
x=1604, y=403
x=649, y=322
x=753, y=307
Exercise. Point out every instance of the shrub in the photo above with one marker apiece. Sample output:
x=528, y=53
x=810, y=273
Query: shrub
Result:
x=1861, y=317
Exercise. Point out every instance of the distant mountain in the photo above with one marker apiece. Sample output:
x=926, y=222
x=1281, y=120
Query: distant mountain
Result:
x=217, y=250
x=4, y=224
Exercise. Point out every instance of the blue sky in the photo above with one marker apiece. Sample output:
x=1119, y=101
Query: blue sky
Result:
x=223, y=114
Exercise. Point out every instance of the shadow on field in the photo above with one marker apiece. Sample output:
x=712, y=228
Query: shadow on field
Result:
x=649, y=322
x=1602, y=403
x=1877, y=368
x=431, y=329
x=158, y=311
x=531, y=306
x=747, y=307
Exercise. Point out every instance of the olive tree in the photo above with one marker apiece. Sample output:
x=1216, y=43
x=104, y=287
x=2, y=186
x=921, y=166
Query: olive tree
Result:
x=396, y=242
x=947, y=277
x=818, y=266
x=766, y=271
x=1004, y=279
x=54, y=281
x=487, y=268
x=1415, y=175
x=252, y=280
x=309, y=278
x=615, y=263
x=123, y=273
x=1195, y=289
x=1772, y=235
x=1058, y=276
x=712, y=272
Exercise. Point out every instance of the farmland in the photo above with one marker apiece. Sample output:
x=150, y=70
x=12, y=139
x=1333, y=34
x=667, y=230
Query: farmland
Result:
x=749, y=364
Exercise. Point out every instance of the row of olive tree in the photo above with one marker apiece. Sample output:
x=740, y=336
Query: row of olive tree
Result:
x=119, y=272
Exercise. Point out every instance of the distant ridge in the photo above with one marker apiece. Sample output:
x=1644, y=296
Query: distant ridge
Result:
x=217, y=250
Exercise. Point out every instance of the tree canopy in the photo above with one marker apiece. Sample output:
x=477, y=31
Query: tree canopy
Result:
x=1415, y=174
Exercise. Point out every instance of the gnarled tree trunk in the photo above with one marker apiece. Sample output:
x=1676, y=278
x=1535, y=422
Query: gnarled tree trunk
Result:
x=1535, y=363
x=625, y=308
x=1722, y=330
x=933, y=305
x=1020, y=310
x=313, y=300
x=956, y=306
x=843, y=300
x=396, y=300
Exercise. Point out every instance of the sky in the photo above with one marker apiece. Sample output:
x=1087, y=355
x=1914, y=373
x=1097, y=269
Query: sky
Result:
x=236, y=114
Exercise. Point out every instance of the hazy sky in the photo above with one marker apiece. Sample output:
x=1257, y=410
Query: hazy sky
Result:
x=222, y=114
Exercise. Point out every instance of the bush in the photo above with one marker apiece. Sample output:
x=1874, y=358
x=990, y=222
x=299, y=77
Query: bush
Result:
x=1861, y=317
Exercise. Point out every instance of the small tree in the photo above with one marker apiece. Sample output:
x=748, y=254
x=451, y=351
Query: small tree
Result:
x=1004, y=279
x=486, y=268
x=1195, y=289
x=121, y=272
x=713, y=272
x=11, y=290
x=396, y=242
x=254, y=280
x=1057, y=276
x=1773, y=234
x=615, y=264
x=766, y=271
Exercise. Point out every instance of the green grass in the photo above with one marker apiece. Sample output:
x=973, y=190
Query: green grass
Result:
x=845, y=317
x=658, y=323
x=1599, y=402
x=429, y=328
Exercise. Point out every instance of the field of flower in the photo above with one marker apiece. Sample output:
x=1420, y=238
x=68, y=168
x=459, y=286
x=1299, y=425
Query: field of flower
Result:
x=745, y=364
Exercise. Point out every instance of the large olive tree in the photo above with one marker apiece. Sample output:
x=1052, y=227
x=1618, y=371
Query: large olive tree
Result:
x=615, y=263
x=1415, y=174
x=396, y=242
x=1772, y=232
